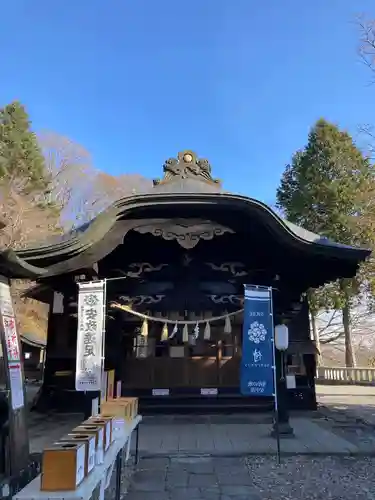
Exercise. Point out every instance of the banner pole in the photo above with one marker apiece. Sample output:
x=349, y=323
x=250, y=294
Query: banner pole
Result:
x=276, y=406
x=258, y=363
x=103, y=338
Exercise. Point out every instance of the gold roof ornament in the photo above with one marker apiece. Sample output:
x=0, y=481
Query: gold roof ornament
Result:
x=187, y=166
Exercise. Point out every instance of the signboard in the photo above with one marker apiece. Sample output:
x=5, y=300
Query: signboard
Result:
x=11, y=338
x=18, y=445
x=13, y=351
x=209, y=391
x=290, y=382
x=9, y=324
x=90, y=336
x=257, y=364
x=16, y=385
x=160, y=392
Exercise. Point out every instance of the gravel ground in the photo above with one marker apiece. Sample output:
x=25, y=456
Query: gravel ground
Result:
x=253, y=478
x=313, y=478
x=348, y=426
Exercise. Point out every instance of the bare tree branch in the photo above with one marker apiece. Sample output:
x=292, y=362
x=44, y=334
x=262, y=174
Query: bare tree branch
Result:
x=77, y=186
x=367, y=43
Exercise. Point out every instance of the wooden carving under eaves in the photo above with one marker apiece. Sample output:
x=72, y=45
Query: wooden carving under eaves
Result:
x=187, y=166
x=187, y=232
x=227, y=299
x=234, y=268
x=137, y=269
x=141, y=299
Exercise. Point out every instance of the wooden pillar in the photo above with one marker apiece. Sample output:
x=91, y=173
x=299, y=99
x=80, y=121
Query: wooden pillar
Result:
x=57, y=337
x=15, y=382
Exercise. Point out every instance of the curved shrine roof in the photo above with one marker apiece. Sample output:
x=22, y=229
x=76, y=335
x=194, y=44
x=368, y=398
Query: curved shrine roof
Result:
x=187, y=180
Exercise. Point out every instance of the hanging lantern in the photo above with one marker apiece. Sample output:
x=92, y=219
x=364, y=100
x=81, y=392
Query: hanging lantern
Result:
x=227, y=325
x=164, y=333
x=281, y=337
x=185, y=334
x=144, y=329
x=207, y=331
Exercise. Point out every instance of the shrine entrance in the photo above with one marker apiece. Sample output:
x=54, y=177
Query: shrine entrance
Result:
x=151, y=363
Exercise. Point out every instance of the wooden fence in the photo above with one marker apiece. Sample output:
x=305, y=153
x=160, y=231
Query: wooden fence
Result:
x=340, y=375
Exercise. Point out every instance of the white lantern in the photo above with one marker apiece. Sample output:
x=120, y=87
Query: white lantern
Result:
x=281, y=337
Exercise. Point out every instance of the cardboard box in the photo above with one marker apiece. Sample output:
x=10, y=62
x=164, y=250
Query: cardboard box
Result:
x=130, y=411
x=107, y=424
x=94, y=430
x=63, y=467
x=119, y=409
x=90, y=448
x=133, y=402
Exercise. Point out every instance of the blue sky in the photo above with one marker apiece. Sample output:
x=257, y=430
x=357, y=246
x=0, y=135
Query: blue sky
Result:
x=240, y=82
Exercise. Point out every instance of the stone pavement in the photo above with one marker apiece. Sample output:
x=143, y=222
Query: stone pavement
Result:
x=234, y=436
x=242, y=434
x=225, y=435
x=232, y=457
x=191, y=478
x=252, y=478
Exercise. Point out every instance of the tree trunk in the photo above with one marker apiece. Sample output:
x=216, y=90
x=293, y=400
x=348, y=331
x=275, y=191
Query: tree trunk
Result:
x=318, y=356
x=350, y=360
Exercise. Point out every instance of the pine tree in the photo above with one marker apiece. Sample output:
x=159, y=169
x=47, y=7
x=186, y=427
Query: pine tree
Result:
x=20, y=154
x=25, y=182
x=327, y=189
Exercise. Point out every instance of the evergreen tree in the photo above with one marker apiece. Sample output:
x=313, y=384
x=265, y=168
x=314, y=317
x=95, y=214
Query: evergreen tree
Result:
x=327, y=189
x=20, y=154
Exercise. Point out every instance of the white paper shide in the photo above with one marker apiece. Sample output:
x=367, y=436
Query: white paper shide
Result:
x=90, y=336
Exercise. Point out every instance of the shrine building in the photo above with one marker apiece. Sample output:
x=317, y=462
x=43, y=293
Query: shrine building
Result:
x=183, y=252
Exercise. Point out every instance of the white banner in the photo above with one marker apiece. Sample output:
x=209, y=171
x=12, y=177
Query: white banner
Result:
x=9, y=323
x=90, y=336
x=13, y=351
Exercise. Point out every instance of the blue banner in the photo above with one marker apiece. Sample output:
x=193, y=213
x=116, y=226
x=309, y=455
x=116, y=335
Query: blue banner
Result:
x=257, y=372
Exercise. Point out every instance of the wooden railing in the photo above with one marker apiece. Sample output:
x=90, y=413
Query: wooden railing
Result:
x=339, y=375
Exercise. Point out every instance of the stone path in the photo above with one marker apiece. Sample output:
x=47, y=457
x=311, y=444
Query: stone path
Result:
x=232, y=457
x=218, y=436
x=190, y=478
x=236, y=434
x=253, y=478
x=163, y=436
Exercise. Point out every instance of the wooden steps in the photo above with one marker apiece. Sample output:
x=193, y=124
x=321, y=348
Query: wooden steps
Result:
x=204, y=405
